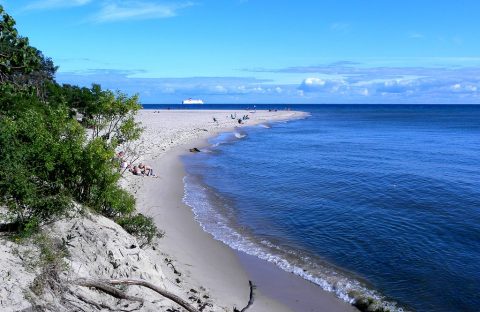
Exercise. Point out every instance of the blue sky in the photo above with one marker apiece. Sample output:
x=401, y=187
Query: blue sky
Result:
x=263, y=51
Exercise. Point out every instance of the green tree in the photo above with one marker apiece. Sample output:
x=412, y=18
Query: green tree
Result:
x=57, y=143
x=21, y=64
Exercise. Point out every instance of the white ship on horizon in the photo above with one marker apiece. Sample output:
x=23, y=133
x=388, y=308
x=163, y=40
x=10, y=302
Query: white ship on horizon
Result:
x=192, y=101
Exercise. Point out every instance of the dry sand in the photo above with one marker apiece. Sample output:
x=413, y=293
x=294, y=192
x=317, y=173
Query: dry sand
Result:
x=222, y=271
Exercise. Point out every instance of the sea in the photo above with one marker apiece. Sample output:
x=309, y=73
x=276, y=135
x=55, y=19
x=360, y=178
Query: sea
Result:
x=375, y=203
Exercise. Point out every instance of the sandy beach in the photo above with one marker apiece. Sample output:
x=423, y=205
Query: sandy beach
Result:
x=222, y=271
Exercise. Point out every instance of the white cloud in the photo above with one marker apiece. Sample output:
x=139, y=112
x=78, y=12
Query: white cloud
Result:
x=313, y=84
x=460, y=86
x=464, y=88
x=116, y=10
x=135, y=10
x=55, y=4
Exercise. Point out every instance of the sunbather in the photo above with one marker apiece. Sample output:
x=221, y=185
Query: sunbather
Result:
x=135, y=170
x=146, y=170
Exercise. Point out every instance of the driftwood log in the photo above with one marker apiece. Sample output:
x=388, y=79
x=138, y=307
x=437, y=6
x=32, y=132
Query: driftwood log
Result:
x=105, y=286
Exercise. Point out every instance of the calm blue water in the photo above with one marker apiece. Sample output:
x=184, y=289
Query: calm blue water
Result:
x=366, y=201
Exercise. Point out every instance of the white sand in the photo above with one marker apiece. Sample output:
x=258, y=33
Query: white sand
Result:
x=169, y=134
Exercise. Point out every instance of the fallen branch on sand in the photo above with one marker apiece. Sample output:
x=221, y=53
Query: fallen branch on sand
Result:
x=105, y=286
x=102, y=285
x=250, y=301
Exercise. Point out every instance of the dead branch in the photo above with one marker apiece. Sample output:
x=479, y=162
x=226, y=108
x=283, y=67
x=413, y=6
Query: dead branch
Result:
x=184, y=304
x=250, y=301
x=104, y=285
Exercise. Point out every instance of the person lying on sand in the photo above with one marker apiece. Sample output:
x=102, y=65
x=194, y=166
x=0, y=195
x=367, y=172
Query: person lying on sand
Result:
x=135, y=170
x=146, y=170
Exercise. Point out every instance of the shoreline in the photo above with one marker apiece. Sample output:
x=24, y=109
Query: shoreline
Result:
x=223, y=271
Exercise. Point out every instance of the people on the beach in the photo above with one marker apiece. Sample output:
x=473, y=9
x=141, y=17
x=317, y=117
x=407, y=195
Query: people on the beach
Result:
x=123, y=164
x=122, y=161
x=135, y=170
x=146, y=170
x=141, y=170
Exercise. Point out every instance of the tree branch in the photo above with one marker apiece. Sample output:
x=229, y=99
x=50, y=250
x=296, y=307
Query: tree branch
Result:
x=112, y=291
x=183, y=303
x=104, y=285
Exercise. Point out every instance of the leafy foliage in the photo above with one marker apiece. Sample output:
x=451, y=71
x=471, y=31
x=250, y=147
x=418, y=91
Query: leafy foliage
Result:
x=140, y=226
x=57, y=142
x=33, y=162
x=21, y=64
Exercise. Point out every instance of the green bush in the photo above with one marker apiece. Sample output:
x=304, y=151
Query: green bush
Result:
x=48, y=158
x=140, y=226
x=116, y=202
x=35, y=163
